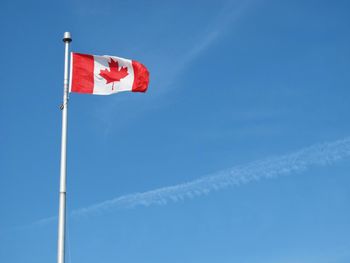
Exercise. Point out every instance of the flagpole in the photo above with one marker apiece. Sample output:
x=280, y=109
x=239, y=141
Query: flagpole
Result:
x=63, y=169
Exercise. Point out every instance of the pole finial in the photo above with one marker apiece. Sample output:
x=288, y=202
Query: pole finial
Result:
x=67, y=37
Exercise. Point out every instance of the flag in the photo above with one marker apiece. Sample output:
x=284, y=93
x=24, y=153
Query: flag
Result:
x=105, y=75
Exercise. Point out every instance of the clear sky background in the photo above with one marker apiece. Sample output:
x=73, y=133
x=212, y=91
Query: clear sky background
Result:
x=232, y=82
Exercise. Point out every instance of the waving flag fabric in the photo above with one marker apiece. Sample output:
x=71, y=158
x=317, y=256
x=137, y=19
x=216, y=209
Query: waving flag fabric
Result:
x=105, y=75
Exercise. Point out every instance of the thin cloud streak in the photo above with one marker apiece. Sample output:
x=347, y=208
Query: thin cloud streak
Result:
x=316, y=155
x=212, y=34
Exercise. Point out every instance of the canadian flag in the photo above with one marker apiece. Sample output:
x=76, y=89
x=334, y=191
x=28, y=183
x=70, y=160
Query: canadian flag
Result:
x=105, y=75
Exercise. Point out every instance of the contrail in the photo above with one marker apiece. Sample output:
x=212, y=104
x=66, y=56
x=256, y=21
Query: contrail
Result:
x=316, y=155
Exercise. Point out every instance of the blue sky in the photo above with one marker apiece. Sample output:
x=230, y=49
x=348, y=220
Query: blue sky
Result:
x=232, y=83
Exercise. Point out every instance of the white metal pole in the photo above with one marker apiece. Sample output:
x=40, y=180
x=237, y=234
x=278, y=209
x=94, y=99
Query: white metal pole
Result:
x=62, y=206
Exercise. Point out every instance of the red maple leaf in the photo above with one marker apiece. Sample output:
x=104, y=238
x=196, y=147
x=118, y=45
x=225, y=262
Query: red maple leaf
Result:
x=114, y=73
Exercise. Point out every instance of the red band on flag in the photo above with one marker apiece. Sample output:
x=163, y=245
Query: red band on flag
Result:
x=82, y=73
x=141, y=77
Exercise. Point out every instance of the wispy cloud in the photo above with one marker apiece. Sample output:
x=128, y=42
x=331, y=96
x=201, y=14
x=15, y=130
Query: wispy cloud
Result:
x=209, y=35
x=316, y=155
